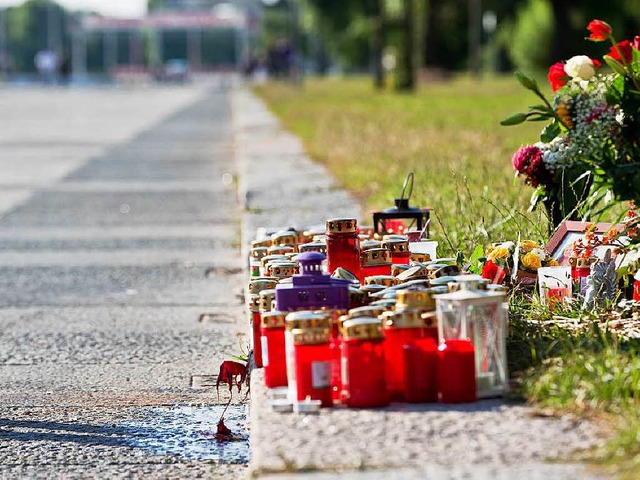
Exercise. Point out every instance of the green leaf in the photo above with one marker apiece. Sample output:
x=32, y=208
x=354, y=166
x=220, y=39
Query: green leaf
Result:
x=476, y=260
x=540, y=108
x=515, y=119
x=615, y=65
x=527, y=82
x=538, y=117
x=550, y=132
x=615, y=92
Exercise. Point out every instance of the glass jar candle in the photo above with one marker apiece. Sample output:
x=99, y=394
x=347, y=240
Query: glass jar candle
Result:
x=266, y=301
x=312, y=363
x=285, y=239
x=264, y=263
x=255, y=319
x=374, y=261
x=313, y=247
x=399, y=249
x=400, y=328
x=363, y=358
x=384, y=280
x=282, y=269
x=273, y=352
x=296, y=322
x=343, y=245
x=335, y=347
x=421, y=371
x=456, y=372
x=256, y=285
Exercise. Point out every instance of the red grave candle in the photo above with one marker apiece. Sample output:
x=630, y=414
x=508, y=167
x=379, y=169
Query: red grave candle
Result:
x=400, y=254
x=335, y=349
x=374, y=262
x=363, y=372
x=400, y=328
x=456, y=372
x=254, y=309
x=343, y=245
x=273, y=352
x=421, y=371
x=313, y=365
x=636, y=290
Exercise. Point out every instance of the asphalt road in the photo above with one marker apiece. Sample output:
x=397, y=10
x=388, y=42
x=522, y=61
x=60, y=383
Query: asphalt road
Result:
x=118, y=229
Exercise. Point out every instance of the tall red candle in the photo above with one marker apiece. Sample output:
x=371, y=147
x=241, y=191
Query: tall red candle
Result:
x=313, y=365
x=456, y=372
x=400, y=254
x=400, y=328
x=363, y=372
x=421, y=371
x=375, y=261
x=273, y=352
x=254, y=311
x=343, y=245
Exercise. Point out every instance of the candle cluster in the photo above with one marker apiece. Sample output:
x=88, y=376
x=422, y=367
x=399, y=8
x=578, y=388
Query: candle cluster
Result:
x=346, y=316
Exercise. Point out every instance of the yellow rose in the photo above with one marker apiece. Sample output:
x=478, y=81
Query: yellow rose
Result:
x=528, y=245
x=531, y=261
x=499, y=253
x=552, y=263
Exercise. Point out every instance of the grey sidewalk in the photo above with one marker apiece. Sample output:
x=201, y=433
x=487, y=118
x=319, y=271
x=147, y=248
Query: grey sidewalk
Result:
x=280, y=186
x=117, y=232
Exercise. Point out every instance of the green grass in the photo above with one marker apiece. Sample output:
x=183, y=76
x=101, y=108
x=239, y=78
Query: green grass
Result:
x=449, y=135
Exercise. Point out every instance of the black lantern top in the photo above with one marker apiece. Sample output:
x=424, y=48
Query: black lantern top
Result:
x=402, y=210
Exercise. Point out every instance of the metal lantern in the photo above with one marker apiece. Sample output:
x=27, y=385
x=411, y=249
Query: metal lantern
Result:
x=481, y=317
x=312, y=289
x=416, y=217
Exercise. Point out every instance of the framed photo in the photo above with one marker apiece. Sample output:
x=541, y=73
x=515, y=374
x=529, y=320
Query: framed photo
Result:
x=561, y=243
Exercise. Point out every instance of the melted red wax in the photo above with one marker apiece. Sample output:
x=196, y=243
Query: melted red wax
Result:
x=223, y=433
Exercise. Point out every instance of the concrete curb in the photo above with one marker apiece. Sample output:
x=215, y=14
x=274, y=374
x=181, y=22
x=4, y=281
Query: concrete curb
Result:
x=279, y=186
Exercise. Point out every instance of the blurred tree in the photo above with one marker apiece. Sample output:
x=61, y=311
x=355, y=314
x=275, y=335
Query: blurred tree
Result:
x=33, y=26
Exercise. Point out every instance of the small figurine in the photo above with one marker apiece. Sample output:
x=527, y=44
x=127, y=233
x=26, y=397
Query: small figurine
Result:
x=602, y=282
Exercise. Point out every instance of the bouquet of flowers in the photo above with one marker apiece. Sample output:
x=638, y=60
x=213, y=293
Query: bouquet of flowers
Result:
x=590, y=149
x=501, y=260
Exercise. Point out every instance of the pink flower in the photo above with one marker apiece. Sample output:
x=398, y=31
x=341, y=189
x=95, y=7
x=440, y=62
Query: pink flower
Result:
x=528, y=161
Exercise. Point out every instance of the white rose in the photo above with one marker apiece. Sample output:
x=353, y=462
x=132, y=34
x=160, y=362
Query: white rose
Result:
x=580, y=66
x=541, y=254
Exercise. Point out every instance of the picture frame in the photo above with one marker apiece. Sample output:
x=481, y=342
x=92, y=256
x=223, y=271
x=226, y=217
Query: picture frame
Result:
x=561, y=242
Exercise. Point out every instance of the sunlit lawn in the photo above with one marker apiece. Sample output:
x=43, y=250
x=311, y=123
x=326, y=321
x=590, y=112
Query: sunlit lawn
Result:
x=448, y=134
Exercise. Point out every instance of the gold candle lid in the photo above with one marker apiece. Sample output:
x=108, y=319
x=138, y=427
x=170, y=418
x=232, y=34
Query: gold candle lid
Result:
x=267, y=298
x=415, y=299
x=283, y=269
x=311, y=336
x=258, y=252
x=306, y=319
x=313, y=247
x=269, y=258
x=342, y=225
x=259, y=284
x=385, y=303
x=396, y=245
x=285, y=239
x=366, y=311
x=375, y=256
x=254, y=302
x=369, y=244
x=273, y=319
x=385, y=280
x=420, y=257
x=363, y=328
x=264, y=242
x=402, y=319
x=280, y=249
x=333, y=313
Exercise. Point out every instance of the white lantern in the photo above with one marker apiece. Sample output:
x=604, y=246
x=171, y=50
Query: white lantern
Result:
x=479, y=316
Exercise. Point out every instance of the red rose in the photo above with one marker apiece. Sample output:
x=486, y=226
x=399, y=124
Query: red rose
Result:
x=557, y=76
x=493, y=272
x=623, y=48
x=599, y=30
x=596, y=63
